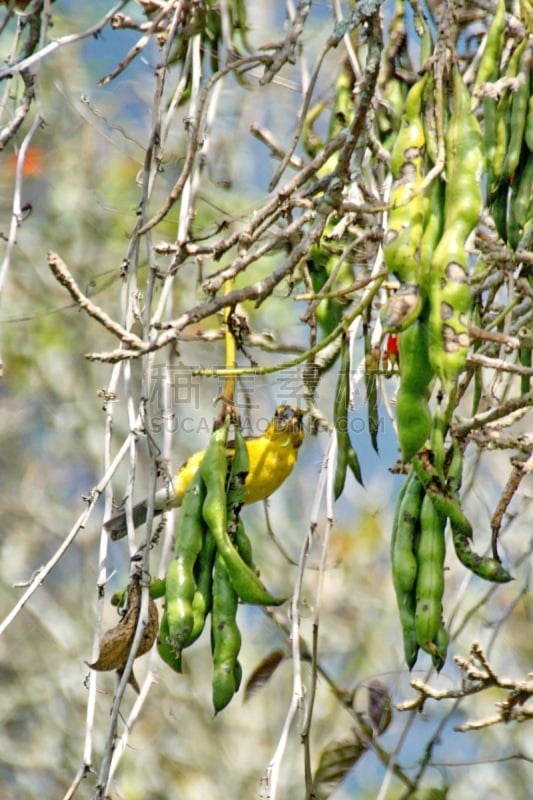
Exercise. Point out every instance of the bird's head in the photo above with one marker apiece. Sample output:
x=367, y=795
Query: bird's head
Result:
x=289, y=419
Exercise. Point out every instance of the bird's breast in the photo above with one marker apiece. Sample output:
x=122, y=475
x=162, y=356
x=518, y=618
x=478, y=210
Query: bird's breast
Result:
x=270, y=464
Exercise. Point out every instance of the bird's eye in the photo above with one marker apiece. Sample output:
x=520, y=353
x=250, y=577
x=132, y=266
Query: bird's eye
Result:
x=287, y=414
x=284, y=413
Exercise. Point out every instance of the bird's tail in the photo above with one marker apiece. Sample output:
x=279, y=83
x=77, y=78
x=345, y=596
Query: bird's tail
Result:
x=116, y=526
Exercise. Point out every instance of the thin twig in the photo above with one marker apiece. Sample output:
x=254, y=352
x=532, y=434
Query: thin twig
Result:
x=504, y=410
x=499, y=364
x=194, y=127
x=22, y=111
x=63, y=275
x=276, y=149
x=139, y=46
x=519, y=470
x=93, y=30
x=301, y=116
x=78, y=526
x=258, y=291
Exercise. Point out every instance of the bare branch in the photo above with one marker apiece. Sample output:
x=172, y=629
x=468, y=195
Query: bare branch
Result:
x=507, y=408
x=478, y=676
x=63, y=275
x=93, y=30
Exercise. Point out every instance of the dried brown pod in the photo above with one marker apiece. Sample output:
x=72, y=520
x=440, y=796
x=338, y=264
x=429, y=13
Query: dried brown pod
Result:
x=115, y=644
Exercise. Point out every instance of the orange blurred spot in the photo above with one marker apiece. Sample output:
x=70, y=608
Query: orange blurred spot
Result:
x=33, y=163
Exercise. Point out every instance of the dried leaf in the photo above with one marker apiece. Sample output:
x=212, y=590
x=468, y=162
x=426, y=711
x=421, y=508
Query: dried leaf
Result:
x=115, y=643
x=262, y=673
x=336, y=760
x=114, y=647
x=132, y=680
x=379, y=706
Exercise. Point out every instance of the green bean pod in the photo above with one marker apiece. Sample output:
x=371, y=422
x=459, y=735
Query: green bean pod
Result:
x=191, y=527
x=225, y=636
x=520, y=210
x=518, y=114
x=203, y=596
x=503, y=131
x=414, y=422
x=240, y=466
x=346, y=455
x=433, y=227
x=450, y=258
x=499, y=149
x=529, y=125
x=464, y=162
x=450, y=303
x=237, y=675
x=244, y=546
x=429, y=119
x=180, y=588
x=402, y=238
x=179, y=578
x=522, y=198
x=440, y=647
x=235, y=496
x=406, y=609
x=498, y=207
x=416, y=372
x=409, y=144
x=406, y=601
x=490, y=569
x=165, y=649
x=323, y=257
x=430, y=576
x=478, y=383
x=449, y=293
x=371, y=388
x=454, y=475
x=489, y=134
x=389, y=112
x=488, y=65
x=413, y=414
x=213, y=470
x=426, y=40
x=438, y=435
x=404, y=562
x=448, y=506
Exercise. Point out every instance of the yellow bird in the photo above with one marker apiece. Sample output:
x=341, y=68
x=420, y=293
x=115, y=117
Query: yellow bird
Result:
x=272, y=458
